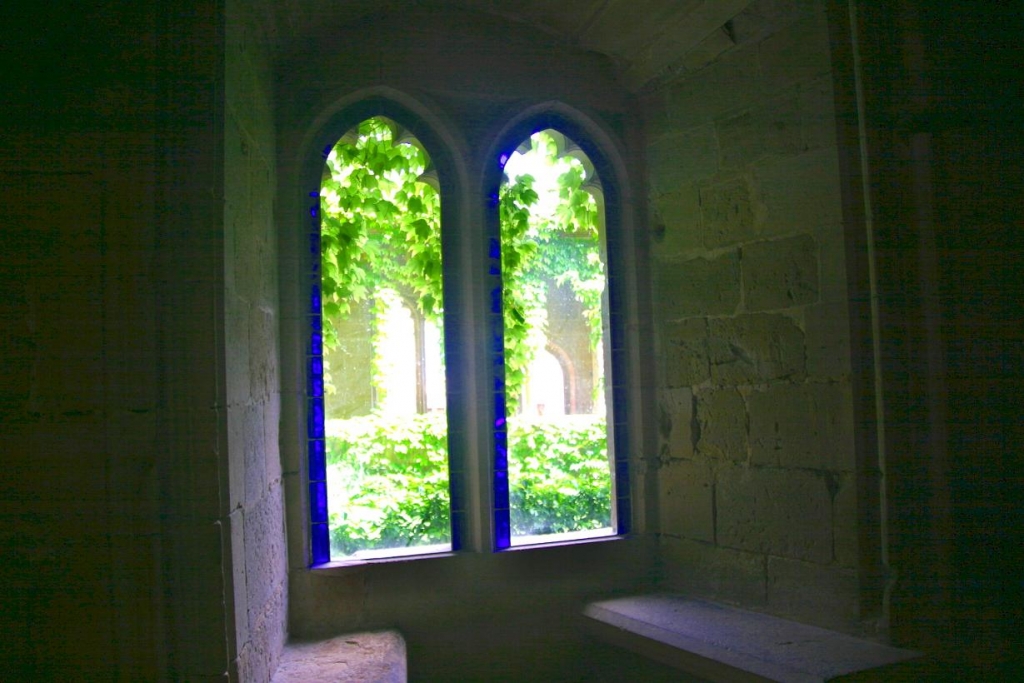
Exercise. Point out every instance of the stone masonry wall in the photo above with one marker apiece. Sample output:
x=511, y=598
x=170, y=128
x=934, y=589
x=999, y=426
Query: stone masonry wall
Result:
x=255, y=515
x=756, y=479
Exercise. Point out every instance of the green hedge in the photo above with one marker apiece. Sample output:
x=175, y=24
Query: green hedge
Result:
x=388, y=479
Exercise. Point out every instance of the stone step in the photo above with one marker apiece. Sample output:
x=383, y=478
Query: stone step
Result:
x=353, y=658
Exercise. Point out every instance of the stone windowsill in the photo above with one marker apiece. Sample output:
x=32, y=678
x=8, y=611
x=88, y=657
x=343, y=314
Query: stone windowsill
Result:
x=723, y=643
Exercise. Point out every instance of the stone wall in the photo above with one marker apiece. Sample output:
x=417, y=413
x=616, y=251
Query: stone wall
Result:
x=757, y=475
x=111, y=407
x=256, y=506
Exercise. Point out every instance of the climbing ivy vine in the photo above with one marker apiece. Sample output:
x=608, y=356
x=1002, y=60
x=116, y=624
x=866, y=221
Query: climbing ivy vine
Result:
x=381, y=228
x=559, y=245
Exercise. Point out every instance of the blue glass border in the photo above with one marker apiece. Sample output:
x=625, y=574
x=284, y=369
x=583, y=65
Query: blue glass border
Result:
x=316, y=451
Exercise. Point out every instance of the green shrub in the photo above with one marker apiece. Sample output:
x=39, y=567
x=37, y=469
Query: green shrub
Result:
x=558, y=473
x=388, y=479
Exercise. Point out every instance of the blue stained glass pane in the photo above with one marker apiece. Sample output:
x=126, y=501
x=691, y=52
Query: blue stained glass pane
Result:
x=620, y=397
x=624, y=516
x=316, y=418
x=494, y=270
x=500, y=489
x=498, y=359
x=316, y=386
x=458, y=523
x=496, y=300
x=317, y=460
x=499, y=410
x=316, y=344
x=614, y=299
x=500, y=458
x=497, y=343
x=318, y=502
x=316, y=365
x=321, y=544
x=622, y=475
x=316, y=323
x=618, y=336
x=495, y=248
x=457, y=492
x=314, y=301
x=314, y=243
x=499, y=383
x=502, y=530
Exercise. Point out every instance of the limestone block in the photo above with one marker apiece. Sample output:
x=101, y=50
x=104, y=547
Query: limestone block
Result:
x=236, y=340
x=264, y=551
x=728, y=84
x=779, y=420
x=755, y=348
x=800, y=193
x=678, y=158
x=832, y=411
x=780, y=273
x=685, y=352
x=271, y=441
x=262, y=352
x=685, y=490
x=705, y=570
x=803, y=425
x=255, y=456
x=676, y=422
x=832, y=263
x=199, y=586
x=657, y=111
x=722, y=420
x=728, y=213
x=762, y=18
x=780, y=512
x=266, y=639
x=699, y=286
x=236, y=423
x=812, y=593
x=828, y=340
x=797, y=53
x=817, y=113
x=247, y=258
x=676, y=219
x=844, y=516
x=240, y=596
x=768, y=128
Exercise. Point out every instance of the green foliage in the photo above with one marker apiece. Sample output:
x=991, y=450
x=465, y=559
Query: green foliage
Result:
x=539, y=247
x=558, y=474
x=388, y=475
x=388, y=479
x=380, y=227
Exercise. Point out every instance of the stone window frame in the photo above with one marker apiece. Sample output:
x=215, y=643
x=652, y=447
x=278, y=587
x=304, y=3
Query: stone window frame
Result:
x=476, y=486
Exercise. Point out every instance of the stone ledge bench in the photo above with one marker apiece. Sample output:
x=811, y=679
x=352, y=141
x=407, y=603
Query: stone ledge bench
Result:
x=377, y=657
x=721, y=643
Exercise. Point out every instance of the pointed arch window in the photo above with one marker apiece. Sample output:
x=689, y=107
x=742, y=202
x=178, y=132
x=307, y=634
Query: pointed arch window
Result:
x=537, y=452
x=378, y=446
x=555, y=464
